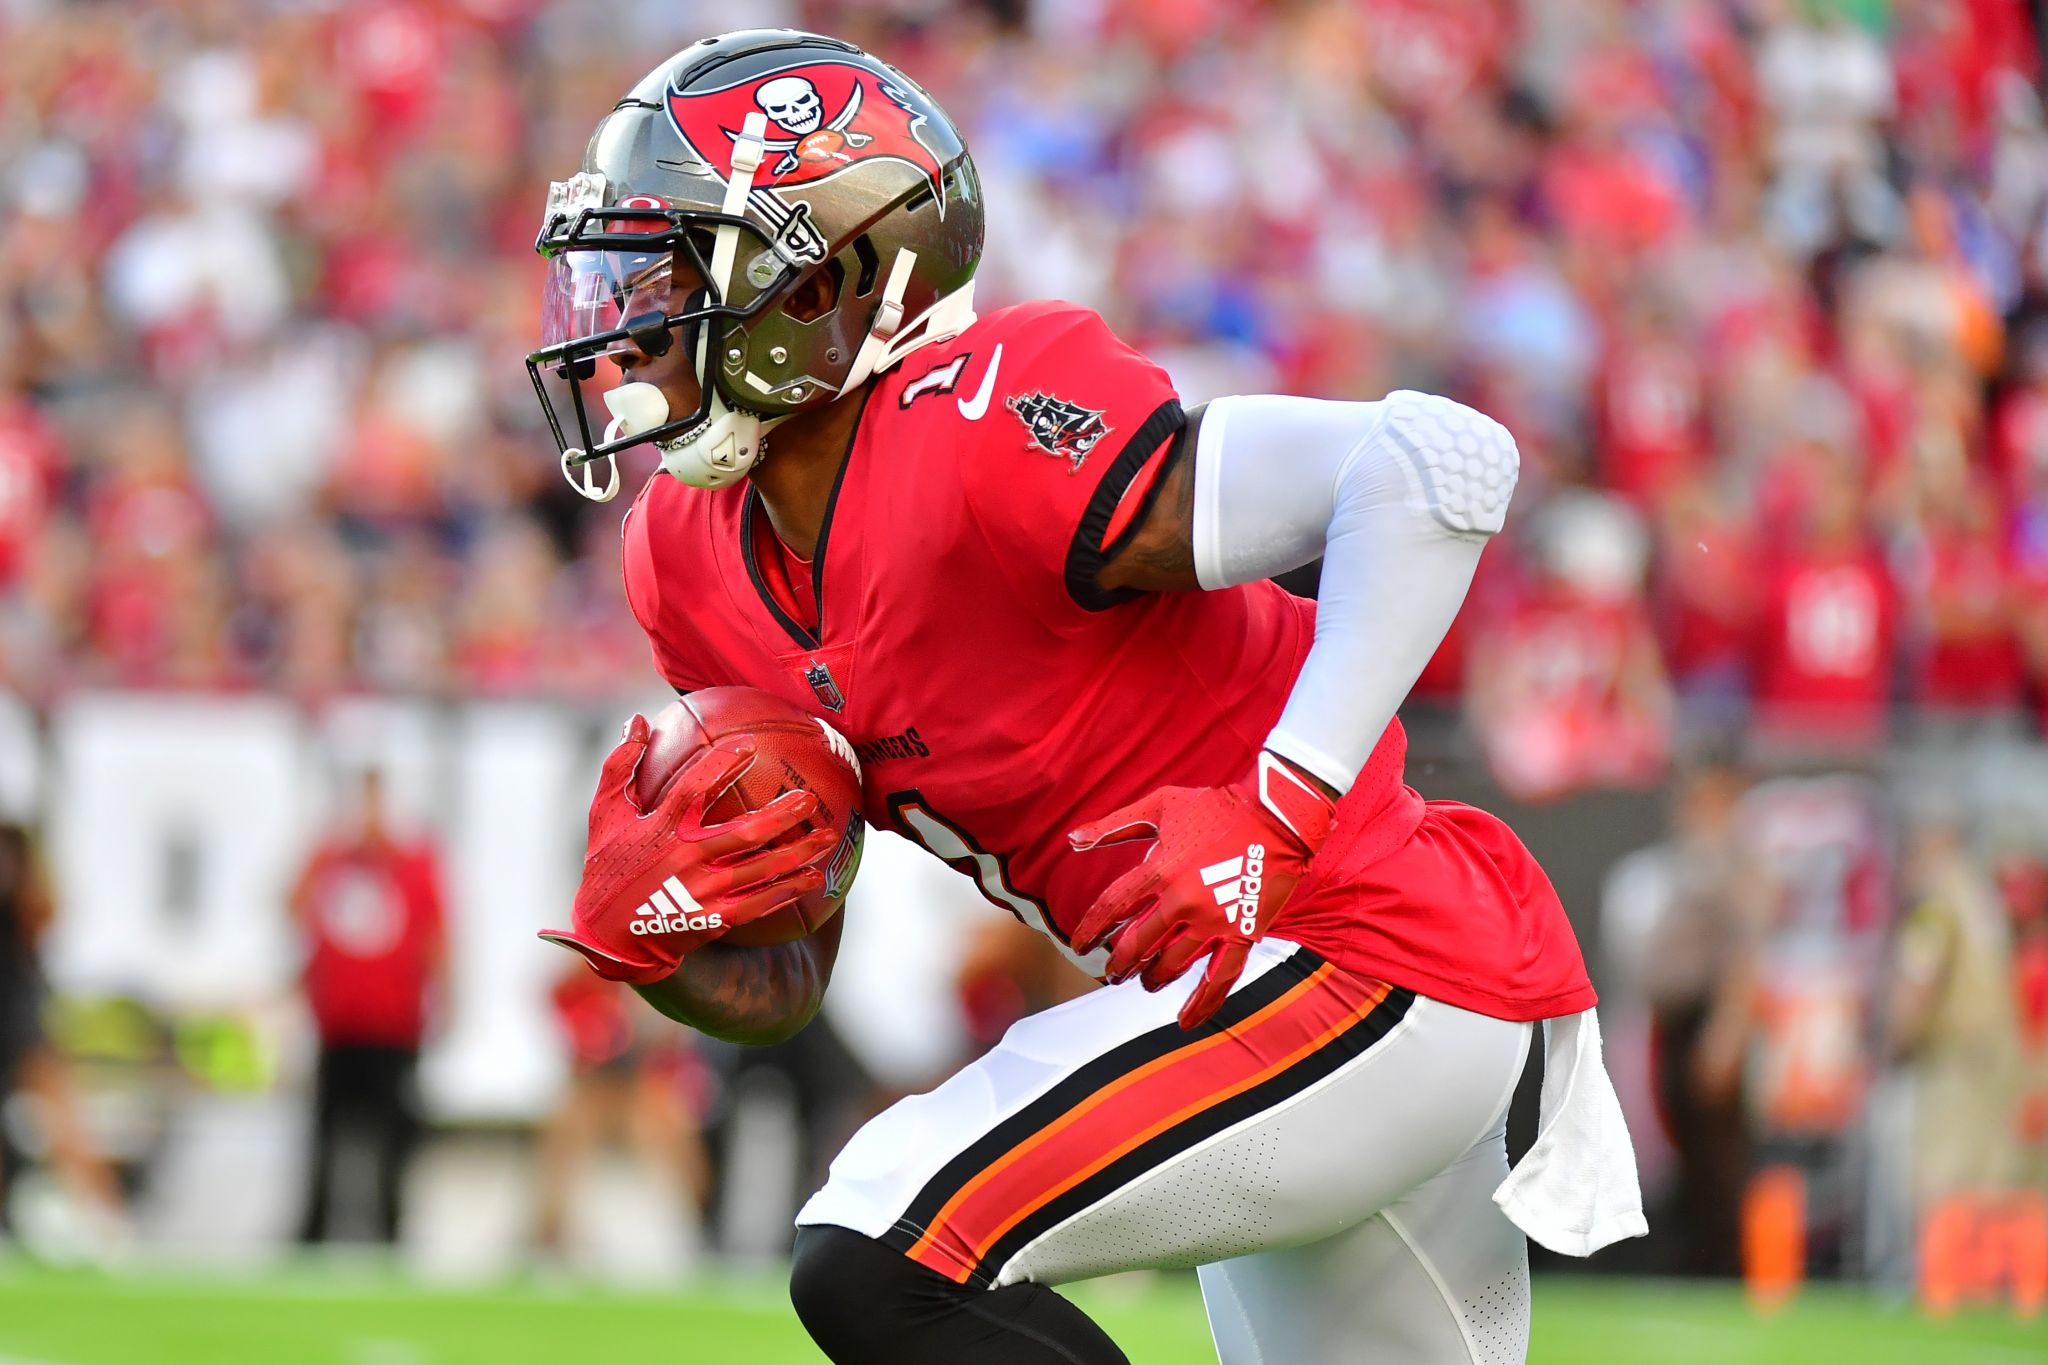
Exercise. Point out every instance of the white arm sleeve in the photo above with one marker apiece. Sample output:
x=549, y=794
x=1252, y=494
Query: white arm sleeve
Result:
x=1398, y=496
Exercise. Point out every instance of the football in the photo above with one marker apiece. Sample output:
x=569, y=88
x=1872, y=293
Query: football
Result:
x=794, y=750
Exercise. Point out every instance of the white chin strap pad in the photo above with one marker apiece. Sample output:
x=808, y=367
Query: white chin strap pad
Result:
x=635, y=408
x=583, y=477
x=718, y=454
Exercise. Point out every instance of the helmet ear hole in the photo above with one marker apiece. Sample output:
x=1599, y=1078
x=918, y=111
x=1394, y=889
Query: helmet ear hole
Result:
x=870, y=265
x=818, y=293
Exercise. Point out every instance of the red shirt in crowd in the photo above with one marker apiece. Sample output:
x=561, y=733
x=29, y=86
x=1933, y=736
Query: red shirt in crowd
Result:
x=1972, y=657
x=2019, y=440
x=28, y=469
x=373, y=919
x=1650, y=402
x=1822, y=655
x=1610, y=197
x=1948, y=57
x=1428, y=55
x=1707, y=592
x=1576, y=701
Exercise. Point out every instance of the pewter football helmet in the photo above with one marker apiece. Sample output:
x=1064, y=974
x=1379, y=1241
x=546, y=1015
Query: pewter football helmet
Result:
x=744, y=165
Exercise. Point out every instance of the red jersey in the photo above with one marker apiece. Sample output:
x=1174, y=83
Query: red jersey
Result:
x=998, y=698
x=373, y=915
x=1823, y=655
x=1975, y=661
x=29, y=460
x=1650, y=400
x=1708, y=587
x=1573, y=710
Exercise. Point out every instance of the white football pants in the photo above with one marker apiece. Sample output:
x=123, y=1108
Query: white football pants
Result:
x=1325, y=1150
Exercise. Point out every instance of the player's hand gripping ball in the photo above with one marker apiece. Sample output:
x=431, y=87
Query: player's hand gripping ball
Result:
x=734, y=816
x=1223, y=862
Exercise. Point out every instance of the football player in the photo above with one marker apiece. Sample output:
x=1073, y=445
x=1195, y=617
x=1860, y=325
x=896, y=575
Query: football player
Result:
x=998, y=555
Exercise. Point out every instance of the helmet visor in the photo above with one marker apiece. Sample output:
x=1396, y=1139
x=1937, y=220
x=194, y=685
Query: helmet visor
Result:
x=621, y=280
x=589, y=293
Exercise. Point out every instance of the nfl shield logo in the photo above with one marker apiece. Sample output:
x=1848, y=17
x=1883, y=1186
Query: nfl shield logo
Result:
x=822, y=686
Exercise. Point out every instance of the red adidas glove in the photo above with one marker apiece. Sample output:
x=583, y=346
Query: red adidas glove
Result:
x=1225, y=860
x=659, y=884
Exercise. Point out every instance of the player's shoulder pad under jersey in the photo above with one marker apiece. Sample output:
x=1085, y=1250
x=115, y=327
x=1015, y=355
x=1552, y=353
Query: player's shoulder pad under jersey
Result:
x=1035, y=419
x=1047, y=378
x=1063, y=348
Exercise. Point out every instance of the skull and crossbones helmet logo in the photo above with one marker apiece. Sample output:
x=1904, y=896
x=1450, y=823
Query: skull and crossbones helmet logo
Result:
x=793, y=102
x=798, y=108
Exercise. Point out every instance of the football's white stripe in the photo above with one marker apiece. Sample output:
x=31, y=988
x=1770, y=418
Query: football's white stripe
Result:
x=842, y=747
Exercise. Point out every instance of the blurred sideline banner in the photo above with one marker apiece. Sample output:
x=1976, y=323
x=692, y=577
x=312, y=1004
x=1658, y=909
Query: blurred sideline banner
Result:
x=175, y=826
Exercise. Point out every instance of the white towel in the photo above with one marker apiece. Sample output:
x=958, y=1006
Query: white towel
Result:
x=1576, y=1190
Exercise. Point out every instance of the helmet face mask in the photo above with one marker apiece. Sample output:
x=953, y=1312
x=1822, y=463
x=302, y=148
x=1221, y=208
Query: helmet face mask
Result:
x=752, y=163
x=610, y=290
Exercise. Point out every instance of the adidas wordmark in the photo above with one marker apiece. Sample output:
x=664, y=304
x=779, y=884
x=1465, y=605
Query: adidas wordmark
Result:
x=673, y=910
x=1237, y=883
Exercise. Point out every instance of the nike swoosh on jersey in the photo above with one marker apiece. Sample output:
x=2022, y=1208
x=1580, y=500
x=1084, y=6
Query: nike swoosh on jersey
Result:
x=973, y=408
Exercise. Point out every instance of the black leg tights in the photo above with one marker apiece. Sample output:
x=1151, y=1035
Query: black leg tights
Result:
x=865, y=1304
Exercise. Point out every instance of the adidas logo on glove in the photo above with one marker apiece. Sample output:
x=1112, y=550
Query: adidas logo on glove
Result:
x=1237, y=883
x=663, y=915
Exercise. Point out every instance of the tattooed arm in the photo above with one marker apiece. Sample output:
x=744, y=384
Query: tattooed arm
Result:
x=1160, y=557
x=750, y=995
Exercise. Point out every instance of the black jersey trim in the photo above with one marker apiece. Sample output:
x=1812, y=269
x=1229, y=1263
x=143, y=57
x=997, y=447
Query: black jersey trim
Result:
x=832, y=506
x=796, y=629
x=750, y=505
x=1086, y=554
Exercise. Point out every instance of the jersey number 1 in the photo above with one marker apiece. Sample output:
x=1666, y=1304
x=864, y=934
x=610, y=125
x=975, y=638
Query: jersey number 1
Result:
x=956, y=848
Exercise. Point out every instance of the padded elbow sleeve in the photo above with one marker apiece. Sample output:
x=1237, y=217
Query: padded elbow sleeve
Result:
x=1398, y=496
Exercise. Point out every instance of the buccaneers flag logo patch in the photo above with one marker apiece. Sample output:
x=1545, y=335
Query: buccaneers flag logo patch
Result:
x=1058, y=427
x=822, y=118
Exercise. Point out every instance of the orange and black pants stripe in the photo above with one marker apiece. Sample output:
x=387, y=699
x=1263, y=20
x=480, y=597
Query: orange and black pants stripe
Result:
x=1139, y=1106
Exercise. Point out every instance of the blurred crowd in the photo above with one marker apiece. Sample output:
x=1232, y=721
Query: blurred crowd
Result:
x=1758, y=284
x=1761, y=286
x=1827, y=1002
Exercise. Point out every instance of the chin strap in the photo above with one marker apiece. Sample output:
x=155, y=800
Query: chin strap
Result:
x=635, y=408
x=888, y=340
x=730, y=441
x=583, y=478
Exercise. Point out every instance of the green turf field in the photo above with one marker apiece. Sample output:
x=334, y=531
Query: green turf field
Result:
x=326, y=1317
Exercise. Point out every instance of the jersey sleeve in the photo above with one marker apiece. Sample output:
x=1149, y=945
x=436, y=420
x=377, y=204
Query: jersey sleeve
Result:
x=1067, y=452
